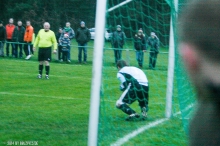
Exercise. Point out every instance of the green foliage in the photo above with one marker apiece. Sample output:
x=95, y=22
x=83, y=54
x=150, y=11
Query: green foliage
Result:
x=56, y=12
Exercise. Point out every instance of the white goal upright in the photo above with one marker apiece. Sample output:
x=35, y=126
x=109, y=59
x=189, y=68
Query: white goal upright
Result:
x=99, y=43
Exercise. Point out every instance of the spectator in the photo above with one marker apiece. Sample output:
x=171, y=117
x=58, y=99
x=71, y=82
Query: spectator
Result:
x=140, y=47
x=141, y=29
x=118, y=40
x=134, y=85
x=18, y=37
x=82, y=37
x=9, y=32
x=44, y=41
x=200, y=50
x=70, y=32
x=2, y=38
x=153, y=42
x=28, y=40
x=65, y=44
x=59, y=46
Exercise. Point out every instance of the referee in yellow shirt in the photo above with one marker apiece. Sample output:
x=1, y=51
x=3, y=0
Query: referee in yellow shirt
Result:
x=44, y=41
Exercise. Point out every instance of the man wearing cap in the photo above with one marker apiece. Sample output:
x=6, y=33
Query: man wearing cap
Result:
x=71, y=34
x=153, y=42
x=2, y=38
x=118, y=40
x=82, y=37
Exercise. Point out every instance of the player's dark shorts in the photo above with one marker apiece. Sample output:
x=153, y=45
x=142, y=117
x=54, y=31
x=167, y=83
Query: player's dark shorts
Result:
x=140, y=93
x=44, y=54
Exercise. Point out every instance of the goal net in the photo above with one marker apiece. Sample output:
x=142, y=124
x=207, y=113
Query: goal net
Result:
x=151, y=17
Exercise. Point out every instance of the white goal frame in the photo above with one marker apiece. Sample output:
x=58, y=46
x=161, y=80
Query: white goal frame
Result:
x=97, y=68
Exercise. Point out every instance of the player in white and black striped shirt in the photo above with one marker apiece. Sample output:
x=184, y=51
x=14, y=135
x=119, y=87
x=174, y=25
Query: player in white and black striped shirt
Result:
x=134, y=83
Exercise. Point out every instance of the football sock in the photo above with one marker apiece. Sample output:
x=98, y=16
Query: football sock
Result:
x=126, y=109
x=40, y=69
x=47, y=68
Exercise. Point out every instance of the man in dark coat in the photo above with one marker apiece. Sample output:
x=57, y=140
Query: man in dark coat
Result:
x=118, y=40
x=82, y=37
x=18, y=37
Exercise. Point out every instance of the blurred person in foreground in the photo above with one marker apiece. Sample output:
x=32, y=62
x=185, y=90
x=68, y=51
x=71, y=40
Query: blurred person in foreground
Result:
x=45, y=40
x=199, y=29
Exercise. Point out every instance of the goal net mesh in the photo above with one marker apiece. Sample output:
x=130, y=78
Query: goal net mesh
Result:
x=150, y=16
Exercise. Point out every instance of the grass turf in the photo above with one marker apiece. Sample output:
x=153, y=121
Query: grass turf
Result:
x=56, y=111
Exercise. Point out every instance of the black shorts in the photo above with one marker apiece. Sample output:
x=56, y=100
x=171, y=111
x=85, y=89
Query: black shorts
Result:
x=141, y=94
x=44, y=54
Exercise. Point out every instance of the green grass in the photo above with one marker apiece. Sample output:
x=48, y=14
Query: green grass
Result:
x=55, y=112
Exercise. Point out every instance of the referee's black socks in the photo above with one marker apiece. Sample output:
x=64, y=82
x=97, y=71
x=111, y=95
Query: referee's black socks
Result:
x=47, y=68
x=40, y=69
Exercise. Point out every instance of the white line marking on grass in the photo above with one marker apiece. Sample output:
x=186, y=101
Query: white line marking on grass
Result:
x=31, y=95
x=138, y=131
x=144, y=128
x=36, y=62
x=72, y=77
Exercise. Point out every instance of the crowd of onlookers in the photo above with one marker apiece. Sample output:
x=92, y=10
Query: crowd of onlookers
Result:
x=141, y=42
x=18, y=37
x=22, y=38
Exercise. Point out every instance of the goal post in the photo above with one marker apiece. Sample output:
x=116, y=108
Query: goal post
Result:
x=166, y=83
x=97, y=73
x=171, y=65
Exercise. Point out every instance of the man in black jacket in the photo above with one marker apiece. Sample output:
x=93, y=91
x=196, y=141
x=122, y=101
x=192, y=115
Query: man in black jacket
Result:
x=118, y=40
x=2, y=38
x=140, y=47
x=18, y=37
x=82, y=37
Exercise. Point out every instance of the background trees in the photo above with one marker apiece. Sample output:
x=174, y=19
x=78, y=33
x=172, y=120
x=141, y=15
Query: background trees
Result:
x=56, y=12
x=151, y=15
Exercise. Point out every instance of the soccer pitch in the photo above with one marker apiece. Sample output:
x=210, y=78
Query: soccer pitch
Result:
x=55, y=112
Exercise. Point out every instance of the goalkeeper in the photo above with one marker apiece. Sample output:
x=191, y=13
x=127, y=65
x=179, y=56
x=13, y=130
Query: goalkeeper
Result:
x=134, y=83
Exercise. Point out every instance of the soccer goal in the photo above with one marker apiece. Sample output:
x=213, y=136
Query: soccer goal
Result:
x=170, y=94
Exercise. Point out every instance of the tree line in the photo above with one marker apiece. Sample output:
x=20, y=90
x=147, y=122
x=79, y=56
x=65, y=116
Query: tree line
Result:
x=56, y=12
x=151, y=15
